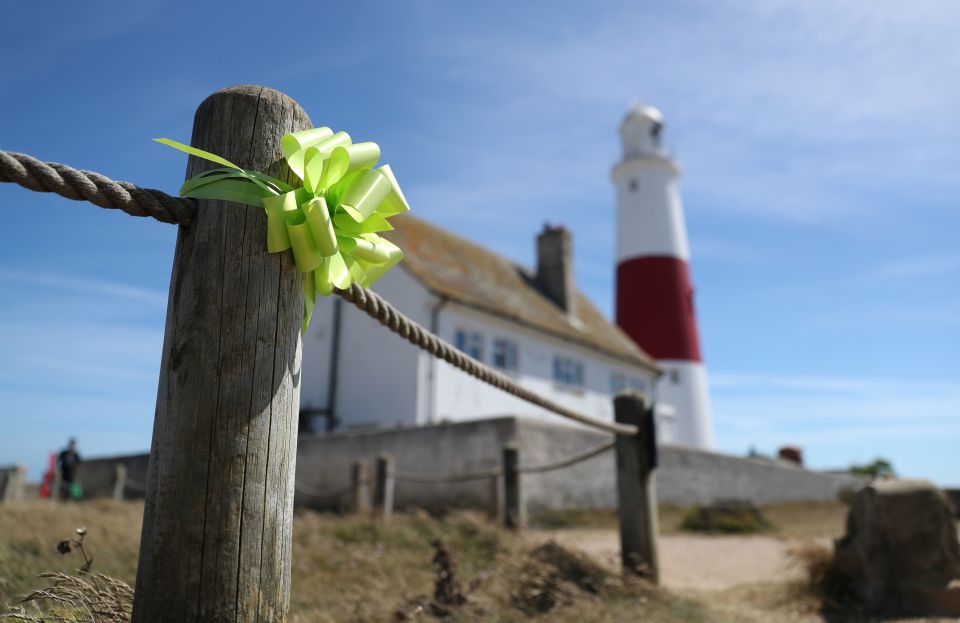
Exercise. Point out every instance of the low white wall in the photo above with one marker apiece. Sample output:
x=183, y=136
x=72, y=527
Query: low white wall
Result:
x=97, y=476
x=684, y=476
x=324, y=462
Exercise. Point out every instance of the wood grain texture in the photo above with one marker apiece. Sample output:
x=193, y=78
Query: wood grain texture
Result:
x=361, y=483
x=216, y=539
x=119, y=481
x=636, y=493
x=384, y=486
x=514, y=510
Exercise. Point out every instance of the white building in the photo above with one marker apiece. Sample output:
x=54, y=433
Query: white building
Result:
x=533, y=326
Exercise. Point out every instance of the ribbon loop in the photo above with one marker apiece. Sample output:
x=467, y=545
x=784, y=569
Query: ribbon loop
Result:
x=331, y=222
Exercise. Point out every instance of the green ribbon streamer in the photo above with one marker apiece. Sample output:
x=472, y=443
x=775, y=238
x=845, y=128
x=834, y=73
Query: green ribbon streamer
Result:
x=331, y=222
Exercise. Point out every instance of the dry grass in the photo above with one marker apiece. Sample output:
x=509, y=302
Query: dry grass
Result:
x=30, y=531
x=85, y=598
x=356, y=569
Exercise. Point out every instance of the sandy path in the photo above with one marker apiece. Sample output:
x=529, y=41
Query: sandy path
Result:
x=698, y=562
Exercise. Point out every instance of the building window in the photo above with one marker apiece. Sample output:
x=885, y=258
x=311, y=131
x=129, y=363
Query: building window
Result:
x=675, y=376
x=470, y=342
x=505, y=354
x=617, y=383
x=568, y=372
x=620, y=382
x=634, y=185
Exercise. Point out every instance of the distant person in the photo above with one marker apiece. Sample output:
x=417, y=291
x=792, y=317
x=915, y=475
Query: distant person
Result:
x=69, y=463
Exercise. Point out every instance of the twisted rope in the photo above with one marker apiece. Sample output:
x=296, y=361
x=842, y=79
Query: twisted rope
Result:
x=51, y=177
x=430, y=479
x=319, y=494
x=386, y=314
x=567, y=462
x=135, y=485
x=106, y=193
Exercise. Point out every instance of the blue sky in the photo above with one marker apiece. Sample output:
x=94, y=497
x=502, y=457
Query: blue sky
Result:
x=820, y=149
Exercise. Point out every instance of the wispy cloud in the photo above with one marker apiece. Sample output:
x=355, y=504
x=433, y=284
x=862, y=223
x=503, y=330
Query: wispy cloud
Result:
x=85, y=285
x=839, y=420
x=814, y=91
x=757, y=381
x=913, y=267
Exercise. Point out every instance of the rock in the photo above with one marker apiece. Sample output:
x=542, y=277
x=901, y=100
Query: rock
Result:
x=954, y=496
x=901, y=553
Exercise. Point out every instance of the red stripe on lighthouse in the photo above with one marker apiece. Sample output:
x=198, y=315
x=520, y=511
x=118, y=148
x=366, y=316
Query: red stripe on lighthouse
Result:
x=655, y=307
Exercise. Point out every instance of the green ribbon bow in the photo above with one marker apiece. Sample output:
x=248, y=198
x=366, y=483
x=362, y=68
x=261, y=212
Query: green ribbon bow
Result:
x=331, y=222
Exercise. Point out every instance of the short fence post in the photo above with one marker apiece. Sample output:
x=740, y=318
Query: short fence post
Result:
x=383, y=494
x=360, y=482
x=514, y=513
x=55, y=484
x=637, y=500
x=18, y=493
x=120, y=481
x=13, y=487
x=15, y=483
x=496, y=498
x=217, y=530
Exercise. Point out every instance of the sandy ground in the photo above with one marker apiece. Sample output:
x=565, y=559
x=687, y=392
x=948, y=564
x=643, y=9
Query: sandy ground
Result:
x=742, y=577
x=699, y=562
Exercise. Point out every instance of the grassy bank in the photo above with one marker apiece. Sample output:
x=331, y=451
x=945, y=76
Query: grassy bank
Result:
x=353, y=569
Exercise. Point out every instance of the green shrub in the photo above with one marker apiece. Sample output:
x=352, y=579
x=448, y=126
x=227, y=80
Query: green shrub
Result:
x=726, y=518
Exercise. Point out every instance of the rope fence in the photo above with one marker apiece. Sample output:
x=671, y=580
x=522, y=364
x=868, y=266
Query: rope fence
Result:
x=134, y=485
x=429, y=479
x=52, y=177
x=167, y=562
x=567, y=462
x=106, y=193
x=321, y=495
x=99, y=190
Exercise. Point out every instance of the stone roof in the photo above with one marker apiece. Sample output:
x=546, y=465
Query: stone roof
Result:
x=462, y=271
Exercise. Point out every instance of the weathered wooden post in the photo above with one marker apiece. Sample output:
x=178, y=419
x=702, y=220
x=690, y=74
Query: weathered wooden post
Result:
x=56, y=484
x=360, y=482
x=18, y=492
x=383, y=493
x=514, y=513
x=216, y=540
x=13, y=484
x=119, y=481
x=636, y=495
x=496, y=498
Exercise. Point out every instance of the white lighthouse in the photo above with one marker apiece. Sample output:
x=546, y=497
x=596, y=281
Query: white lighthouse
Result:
x=654, y=300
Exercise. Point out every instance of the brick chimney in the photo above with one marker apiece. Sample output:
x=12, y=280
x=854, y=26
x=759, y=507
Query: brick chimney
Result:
x=555, y=267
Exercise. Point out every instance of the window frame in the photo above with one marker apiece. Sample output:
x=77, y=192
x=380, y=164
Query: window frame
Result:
x=510, y=350
x=569, y=373
x=469, y=342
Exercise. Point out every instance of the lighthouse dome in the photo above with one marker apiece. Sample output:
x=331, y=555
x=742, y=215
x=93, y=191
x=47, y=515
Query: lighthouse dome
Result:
x=640, y=132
